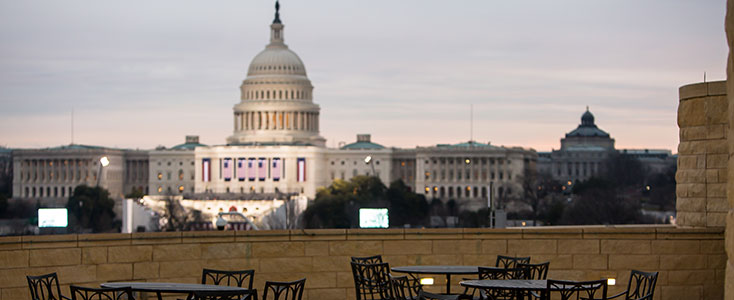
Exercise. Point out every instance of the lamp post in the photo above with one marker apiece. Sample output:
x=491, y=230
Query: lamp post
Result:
x=368, y=160
x=103, y=162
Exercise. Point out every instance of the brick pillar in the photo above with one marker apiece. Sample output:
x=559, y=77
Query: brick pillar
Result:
x=729, y=233
x=703, y=155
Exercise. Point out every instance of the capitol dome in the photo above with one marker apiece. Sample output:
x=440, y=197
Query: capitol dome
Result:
x=276, y=61
x=276, y=104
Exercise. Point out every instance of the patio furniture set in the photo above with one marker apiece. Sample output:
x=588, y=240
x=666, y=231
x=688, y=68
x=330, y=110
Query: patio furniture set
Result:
x=215, y=285
x=510, y=278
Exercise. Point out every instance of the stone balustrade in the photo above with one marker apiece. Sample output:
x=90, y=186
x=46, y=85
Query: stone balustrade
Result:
x=691, y=261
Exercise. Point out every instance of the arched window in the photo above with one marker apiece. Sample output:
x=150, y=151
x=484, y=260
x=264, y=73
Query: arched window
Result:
x=280, y=95
x=267, y=95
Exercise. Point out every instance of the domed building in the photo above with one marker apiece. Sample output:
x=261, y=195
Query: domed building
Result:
x=584, y=150
x=276, y=153
x=276, y=104
x=581, y=155
x=587, y=136
x=275, y=146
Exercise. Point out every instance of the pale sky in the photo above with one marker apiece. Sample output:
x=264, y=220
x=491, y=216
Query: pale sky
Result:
x=144, y=73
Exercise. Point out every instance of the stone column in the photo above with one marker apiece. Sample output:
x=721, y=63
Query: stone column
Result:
x=702, y=155
x=729, y=233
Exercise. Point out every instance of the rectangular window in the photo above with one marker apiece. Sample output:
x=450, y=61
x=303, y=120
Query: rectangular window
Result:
x=301, y=170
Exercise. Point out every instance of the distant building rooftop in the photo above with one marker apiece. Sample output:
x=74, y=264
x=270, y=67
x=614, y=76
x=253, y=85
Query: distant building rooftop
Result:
x=363, y=142
x=469, y=144
x=192, y=141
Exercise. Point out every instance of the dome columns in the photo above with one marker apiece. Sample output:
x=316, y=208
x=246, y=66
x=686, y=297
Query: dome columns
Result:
x=305, y=121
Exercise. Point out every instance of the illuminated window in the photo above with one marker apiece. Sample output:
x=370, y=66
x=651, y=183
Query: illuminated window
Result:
x=427, y=190
x=160, y=189
x=181, y=189
x=402, y=164
x=160, y=175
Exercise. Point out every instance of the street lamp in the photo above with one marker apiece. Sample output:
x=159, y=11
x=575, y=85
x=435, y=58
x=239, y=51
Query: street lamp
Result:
x=103, y=162
x=368, y=160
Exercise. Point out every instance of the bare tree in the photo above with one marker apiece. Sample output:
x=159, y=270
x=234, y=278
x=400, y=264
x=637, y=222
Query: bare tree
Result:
x=176, y=217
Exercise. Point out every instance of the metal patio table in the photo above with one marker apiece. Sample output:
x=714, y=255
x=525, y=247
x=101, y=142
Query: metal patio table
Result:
x=438, y=270
x=515, y=285
x=170, y=287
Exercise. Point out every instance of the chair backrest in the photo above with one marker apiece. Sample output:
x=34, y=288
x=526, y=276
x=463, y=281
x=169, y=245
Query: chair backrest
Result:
x=533, y=271
x=423, y=295
x=371, y=281
x=576, y=290
x=229, y=278
x=494, y=274
x=510, y=262
x=226, y=295
x=44, y=287
x=497, y=274
x=85, y=293
x=400, y=284
x=284, y=290
x=641, y=285
x=375, y=259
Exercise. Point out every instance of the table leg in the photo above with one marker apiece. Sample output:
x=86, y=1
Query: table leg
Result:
x=448, y=284
x=159, y=295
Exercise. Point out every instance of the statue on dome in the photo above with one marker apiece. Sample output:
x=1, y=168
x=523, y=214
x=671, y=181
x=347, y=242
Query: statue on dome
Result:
x=277, y=14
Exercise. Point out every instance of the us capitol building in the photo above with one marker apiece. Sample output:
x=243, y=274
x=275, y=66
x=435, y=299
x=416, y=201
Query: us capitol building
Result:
x=275, y=151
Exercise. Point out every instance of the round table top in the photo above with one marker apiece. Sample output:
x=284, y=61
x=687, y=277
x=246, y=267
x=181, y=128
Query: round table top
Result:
x=516, y=284
x=171, y=287
x=437, y=269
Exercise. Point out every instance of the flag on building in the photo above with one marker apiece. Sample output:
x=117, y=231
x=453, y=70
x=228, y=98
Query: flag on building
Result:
x=275, y=171
x=251, y=169
x=262, y=169
x=241, y=169
x=206, y=169
x=301, y=170
x=227, y=169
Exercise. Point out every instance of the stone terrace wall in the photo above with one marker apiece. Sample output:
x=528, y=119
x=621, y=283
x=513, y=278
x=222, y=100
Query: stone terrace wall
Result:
x=703, y=155
x=691, y=261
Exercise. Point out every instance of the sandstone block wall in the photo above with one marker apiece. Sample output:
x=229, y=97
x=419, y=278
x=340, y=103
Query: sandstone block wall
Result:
x=703, y=155
x=691, y=261
x=729, y=25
